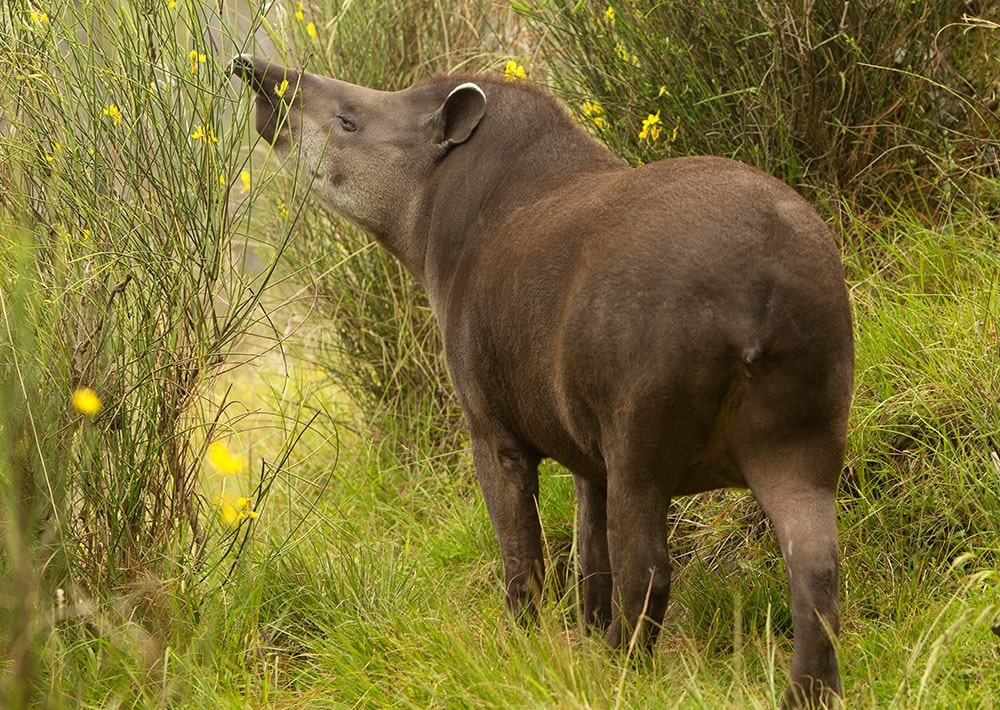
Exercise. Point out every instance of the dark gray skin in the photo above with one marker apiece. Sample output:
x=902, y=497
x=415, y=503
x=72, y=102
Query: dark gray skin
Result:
x=660, y=331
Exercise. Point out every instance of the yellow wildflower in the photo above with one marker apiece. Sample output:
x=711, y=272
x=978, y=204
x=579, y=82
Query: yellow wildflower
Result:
x=233, y=511
x=281, y=88
x=595, y=112
x=514, y=71
x=86, y=401
x=171, y=4
x=245, y=179
x=282, y=209
x=113, y=112
x=609, y=15
x=311, y=30
x=651, y=127
x=298, y=12
x=39, y=18
x=243, y=505
x=201, y=134
x=196, y=58
x=222, y=460
x=222, y=180
x=56, y=148
x=624, y=54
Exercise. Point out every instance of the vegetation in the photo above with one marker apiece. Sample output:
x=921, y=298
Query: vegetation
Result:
x=231, y=467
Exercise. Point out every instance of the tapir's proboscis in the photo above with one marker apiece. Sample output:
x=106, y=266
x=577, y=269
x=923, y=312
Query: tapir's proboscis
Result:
x=660, y=331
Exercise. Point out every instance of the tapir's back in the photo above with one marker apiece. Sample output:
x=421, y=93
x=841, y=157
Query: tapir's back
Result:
x=675, y=247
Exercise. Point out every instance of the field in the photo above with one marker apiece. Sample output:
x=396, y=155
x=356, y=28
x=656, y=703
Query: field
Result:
x=232, y=471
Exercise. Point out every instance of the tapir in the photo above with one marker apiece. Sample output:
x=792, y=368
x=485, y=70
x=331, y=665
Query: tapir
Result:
x=659, y=331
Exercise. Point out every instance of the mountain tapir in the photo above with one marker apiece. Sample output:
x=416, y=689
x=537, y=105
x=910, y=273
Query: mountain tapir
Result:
x=660, y=331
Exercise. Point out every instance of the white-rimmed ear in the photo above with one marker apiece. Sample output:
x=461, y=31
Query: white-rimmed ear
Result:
x=459, y=115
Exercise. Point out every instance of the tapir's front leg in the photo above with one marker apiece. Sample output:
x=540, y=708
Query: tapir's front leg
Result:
x=508, y=476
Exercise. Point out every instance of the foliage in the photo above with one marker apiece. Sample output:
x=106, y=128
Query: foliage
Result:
x=130, y=277
x=125, y=211
x=875, y=101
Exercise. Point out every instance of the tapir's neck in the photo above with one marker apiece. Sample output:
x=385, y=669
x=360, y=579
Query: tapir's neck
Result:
x=486, y=181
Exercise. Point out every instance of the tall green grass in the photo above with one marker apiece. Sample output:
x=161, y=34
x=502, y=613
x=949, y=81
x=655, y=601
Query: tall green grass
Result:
x=126, y=212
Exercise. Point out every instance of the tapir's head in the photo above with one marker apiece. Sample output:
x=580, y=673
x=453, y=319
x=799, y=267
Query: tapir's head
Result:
x=367, y=153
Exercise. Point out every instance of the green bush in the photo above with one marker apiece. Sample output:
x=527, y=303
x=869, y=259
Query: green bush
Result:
x=872, y=101
x=125, y=211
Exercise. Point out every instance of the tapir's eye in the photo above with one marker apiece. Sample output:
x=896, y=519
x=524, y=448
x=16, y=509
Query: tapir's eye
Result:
x=347, y=124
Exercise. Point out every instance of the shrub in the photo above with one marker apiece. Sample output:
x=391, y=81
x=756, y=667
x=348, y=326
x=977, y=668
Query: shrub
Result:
x=123, y=220
x=871, y=101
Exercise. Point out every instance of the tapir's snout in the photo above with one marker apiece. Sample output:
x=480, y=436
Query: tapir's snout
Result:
x=275, y=86
x=263, y=76
x=241, y=65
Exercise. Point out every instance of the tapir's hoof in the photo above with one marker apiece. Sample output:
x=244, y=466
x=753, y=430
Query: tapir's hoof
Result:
x=820, y=698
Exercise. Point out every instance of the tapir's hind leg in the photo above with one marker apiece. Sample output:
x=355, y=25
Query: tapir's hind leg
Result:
x=595, y=561
x=643, y=469
x=794, y=479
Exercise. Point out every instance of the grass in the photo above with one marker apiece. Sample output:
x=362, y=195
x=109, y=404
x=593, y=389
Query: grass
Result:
x=371, y=576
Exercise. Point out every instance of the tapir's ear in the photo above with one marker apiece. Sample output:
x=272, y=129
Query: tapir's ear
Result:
x=459, y=115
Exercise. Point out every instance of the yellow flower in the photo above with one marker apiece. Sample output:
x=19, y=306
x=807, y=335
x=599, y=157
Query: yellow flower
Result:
x=113, y=112
x=282, y=209
x=56, y=148
x=171, y=4
x=311, y=30
x=222, y=460
x=624, y=54
x=245, y=179
x=281, y=88
x=196, y=58
x=201, y=134
x=243, y=505
x=39, y=18
x=222, y=180
x=651, y=127
x=298, y=13
x=595, y=112
x=514, y=71
x=86, y=401
x=609, y=15
x=234, y=511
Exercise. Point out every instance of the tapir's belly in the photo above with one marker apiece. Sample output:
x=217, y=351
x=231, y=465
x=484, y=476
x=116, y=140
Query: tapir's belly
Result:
x=563, y=404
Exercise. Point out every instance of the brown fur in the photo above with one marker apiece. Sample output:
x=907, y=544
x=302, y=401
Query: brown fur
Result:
x=660, y=331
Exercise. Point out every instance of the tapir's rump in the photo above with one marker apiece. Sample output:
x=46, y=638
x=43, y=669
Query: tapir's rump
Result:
x=660, y=331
